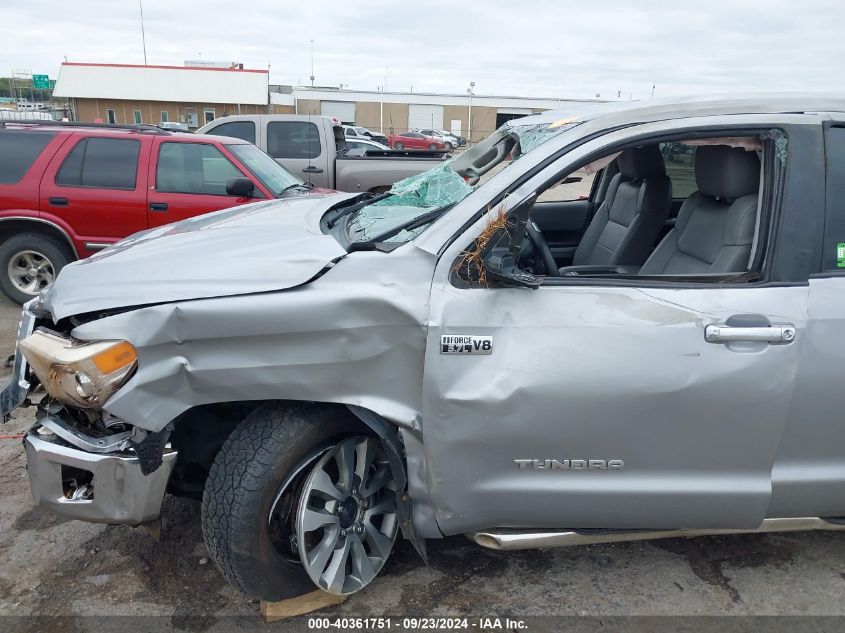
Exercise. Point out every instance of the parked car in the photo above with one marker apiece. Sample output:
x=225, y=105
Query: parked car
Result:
x=461, y=140
x=461, y=359
x=450, y=141
x=357, y=132
x=416, y=140
x=315, y=146
x=69, y=190
x=365, y=145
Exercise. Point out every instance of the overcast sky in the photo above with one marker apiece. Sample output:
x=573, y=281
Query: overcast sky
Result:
x=554, y=48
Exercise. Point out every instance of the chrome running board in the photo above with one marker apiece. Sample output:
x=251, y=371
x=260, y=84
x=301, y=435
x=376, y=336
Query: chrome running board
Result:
x=505, y=539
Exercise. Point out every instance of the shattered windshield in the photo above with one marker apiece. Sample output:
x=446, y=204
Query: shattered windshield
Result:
x=412, y=204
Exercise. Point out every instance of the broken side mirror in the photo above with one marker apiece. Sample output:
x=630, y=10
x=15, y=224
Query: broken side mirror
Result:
x=503, y=265
x=504, y=270
x=240, y=187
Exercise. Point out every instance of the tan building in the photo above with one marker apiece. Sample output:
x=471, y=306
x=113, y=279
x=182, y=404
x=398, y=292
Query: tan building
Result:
x=387, y=112
x=125, y=93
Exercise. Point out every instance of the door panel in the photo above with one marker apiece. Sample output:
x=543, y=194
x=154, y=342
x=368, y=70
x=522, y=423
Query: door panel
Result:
x=605, y=373
x=98, y=214
x=809, y=474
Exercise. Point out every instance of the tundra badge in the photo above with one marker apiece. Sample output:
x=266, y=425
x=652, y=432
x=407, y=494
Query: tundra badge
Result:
x=569, y=464
x=466, y=344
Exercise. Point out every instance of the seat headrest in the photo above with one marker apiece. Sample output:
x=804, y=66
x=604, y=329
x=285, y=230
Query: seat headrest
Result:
x=641, y=162
x=727, y=172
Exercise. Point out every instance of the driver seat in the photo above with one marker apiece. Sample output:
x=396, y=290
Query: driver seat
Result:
x=634, y=211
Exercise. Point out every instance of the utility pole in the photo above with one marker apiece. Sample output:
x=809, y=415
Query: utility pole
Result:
x=143, y=35
x=469, y=115
x=312, y=63
x=381, y=109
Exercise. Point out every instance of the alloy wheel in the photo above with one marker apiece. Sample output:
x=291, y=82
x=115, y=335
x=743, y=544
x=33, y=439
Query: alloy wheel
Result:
x=30, y=271
x=346, y=522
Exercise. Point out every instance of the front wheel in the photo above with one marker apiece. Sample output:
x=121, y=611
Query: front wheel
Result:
x=398, y=146
x=432, y=147
x=29, y=263
x=295, y=498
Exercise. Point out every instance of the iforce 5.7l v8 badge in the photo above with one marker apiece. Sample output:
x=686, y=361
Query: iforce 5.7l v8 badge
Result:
x=466, y=344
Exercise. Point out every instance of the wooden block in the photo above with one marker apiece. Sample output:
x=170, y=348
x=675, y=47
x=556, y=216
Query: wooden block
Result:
x=300, y=605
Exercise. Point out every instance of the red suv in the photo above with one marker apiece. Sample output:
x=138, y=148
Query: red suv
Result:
x=68, y=190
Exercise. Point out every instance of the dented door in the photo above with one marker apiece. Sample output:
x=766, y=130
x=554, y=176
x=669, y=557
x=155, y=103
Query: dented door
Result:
x=606, y=407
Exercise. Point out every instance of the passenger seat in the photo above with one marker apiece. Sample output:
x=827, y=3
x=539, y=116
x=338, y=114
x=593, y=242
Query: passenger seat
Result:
x=715, y=226
x=630, y=218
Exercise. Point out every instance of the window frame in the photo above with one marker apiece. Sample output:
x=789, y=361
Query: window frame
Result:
x=138, y=117
x=771, y=205
x=205, y=113
x=85, y=140
x=111, y=116
x=772, y=270
x=165, y=116
x=194, y=193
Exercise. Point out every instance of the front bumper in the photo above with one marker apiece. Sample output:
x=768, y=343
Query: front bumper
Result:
x=117, y=490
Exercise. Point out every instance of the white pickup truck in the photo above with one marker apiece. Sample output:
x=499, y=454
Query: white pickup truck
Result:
x=314, y=147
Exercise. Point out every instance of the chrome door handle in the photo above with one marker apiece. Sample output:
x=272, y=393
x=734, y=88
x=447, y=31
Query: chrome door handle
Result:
x=774, y=334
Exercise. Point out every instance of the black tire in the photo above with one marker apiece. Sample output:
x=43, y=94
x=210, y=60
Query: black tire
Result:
x=398, y=146
x=51, y=249
x=432, y=147
x=245, y=477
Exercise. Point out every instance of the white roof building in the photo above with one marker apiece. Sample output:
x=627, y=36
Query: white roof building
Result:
x=162, y=83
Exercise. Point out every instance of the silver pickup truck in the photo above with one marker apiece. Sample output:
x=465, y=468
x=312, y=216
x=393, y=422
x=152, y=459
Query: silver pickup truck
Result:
x=314, y=148
x=656, y=358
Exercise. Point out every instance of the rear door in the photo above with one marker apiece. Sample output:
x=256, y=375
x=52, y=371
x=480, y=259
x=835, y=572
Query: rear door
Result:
x=97, y=185
x=297, y=145
x=189, y=179
x=809, y=473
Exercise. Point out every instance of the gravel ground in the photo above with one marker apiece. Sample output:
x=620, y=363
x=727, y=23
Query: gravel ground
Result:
x=63, y=571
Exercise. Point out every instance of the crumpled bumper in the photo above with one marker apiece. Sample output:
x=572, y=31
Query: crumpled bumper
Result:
x=115, y=489
x=14, y=394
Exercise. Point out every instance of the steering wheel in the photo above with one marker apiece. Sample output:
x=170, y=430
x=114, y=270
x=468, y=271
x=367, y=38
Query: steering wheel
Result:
x=538, y=242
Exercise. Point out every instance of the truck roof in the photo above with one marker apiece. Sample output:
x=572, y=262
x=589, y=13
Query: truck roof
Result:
x=630, y=112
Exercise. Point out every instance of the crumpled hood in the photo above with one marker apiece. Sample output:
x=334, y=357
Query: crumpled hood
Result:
x=253, y=248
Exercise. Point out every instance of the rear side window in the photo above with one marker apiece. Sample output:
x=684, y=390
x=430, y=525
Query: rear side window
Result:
x=244, y=130
x=680, y=167
x=293, y=139
x=18, y=150
x=105, y=163
x=833, y=258
x=193, y=168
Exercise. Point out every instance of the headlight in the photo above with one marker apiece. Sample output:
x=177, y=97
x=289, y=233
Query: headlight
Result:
x=79, y=373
